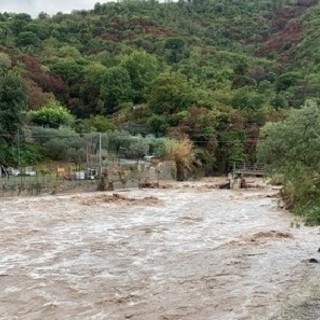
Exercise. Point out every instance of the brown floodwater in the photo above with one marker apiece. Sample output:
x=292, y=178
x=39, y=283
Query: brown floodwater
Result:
x=191, y=253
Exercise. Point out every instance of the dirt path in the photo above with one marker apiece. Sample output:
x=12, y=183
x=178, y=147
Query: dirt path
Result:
x=187, y=253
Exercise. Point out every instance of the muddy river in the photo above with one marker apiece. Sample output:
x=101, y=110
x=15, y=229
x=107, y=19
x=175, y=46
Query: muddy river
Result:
x=189, y=253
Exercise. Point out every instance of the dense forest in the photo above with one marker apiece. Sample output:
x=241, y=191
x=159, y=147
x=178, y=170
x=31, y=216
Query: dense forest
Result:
x=212, y=71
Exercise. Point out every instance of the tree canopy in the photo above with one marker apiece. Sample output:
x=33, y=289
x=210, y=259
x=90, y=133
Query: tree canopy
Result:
x=211, y=71
x=291, y=149
x=12, y=106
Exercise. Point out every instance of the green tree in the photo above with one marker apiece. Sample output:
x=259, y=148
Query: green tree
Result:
x=247, y=98
x=118, y=141
x=286, y=80
x=69, y=69
x=12, y=105
x=70, y=148
x=158, y=124
x=101, y=123
x=19, y=21
x=51, y=115
x=115, y=89
x=170, y=93
x=91, y=86
x=143, y=69
x=138, y=148
x=231, y=148
x=292, y=149
x=60, y=144
x=28, y=38
x=176, y=49
x=69, y=52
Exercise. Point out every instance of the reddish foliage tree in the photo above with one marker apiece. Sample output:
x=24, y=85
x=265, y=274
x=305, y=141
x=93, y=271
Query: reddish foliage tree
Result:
x=48, y=82
x=36, y=96
x=252, y=137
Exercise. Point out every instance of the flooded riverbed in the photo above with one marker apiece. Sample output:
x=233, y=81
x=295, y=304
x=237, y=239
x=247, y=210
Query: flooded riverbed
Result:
x=182, y=253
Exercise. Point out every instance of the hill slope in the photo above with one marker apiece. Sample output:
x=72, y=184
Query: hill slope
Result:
x=213, y=70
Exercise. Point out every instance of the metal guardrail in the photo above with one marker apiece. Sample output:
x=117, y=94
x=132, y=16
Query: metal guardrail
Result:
x=249, y=170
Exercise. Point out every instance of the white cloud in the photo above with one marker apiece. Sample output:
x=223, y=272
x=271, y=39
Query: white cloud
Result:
x=34, y=7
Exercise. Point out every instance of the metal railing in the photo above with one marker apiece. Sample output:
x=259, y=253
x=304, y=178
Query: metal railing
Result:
x=248, y=169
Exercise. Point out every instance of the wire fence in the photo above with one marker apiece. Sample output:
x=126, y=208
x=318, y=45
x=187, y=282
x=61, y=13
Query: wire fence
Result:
x=62, y=176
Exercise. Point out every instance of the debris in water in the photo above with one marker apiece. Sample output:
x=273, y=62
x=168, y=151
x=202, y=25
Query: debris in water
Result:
x=274, y=234
x=148, y=184
x=313, y=260
x=118, y=198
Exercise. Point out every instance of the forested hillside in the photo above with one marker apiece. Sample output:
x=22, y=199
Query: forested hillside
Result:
x=214, y=71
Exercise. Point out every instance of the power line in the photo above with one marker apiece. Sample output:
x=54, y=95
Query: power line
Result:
x=130, y=138
x=134, y=139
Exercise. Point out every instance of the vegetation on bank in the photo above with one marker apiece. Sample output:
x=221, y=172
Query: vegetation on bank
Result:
x=206, y=72
x=291, y=150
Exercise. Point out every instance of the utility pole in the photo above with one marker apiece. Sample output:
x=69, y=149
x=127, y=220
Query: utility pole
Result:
x=19, y=151
x=19, y=156
x=100, y=154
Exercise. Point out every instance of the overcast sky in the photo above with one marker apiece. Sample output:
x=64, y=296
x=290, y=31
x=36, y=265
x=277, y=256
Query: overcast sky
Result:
x=33, y=7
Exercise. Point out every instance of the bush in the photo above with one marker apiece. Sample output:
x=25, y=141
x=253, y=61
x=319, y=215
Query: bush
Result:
x=182, y=153
x=51, y=115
